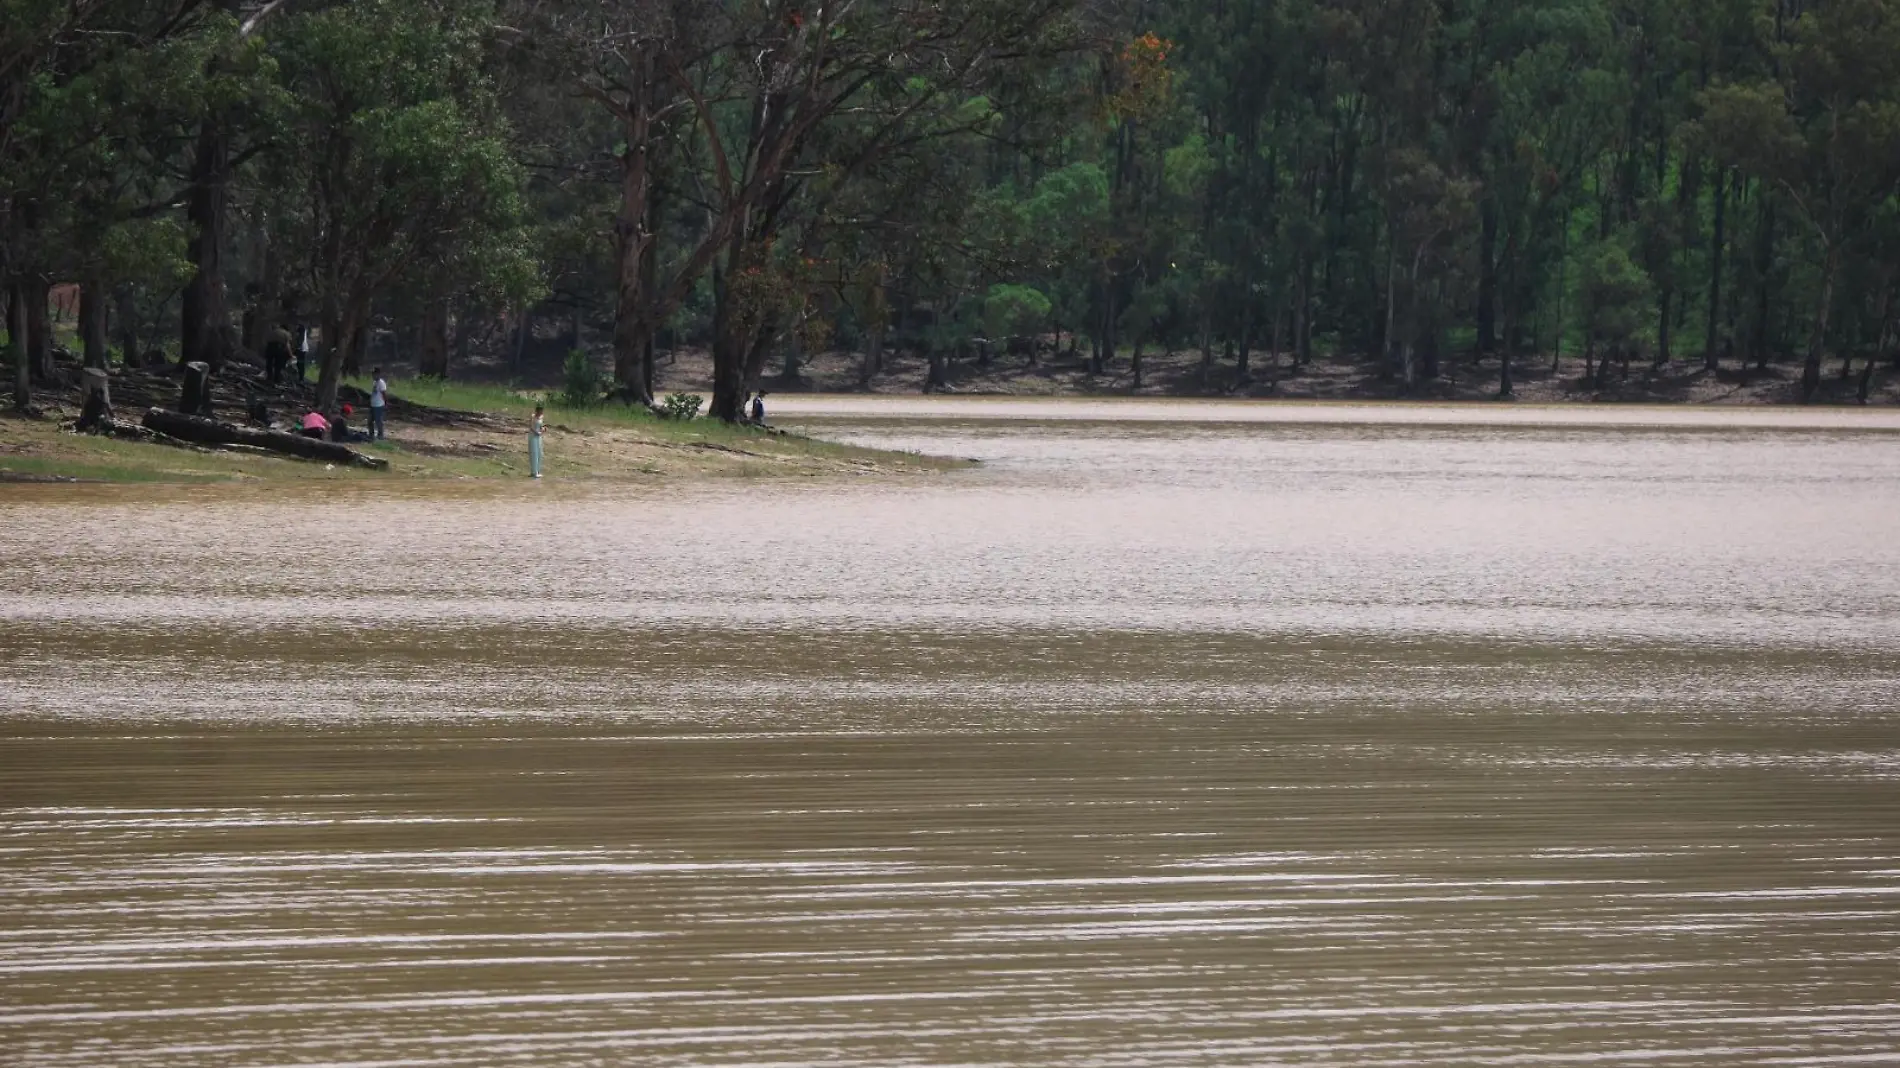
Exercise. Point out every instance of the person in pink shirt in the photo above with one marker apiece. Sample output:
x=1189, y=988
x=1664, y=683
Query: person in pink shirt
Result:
x=315, y=426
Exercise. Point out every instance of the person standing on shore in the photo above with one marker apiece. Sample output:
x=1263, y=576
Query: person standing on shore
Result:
x=758, y=408
x=537, y=426
x=377, y=389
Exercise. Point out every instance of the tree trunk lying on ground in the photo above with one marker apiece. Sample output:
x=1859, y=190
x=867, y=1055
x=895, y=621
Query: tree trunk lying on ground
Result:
x=212, y=432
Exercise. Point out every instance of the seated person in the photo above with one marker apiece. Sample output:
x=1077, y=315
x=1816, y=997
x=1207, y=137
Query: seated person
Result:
x=340, y=426
x=315, y=426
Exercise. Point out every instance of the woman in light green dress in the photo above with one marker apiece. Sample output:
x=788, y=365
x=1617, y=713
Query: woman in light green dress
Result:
x=537, y=427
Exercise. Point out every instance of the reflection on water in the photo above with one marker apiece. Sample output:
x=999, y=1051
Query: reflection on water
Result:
x=1144, y=744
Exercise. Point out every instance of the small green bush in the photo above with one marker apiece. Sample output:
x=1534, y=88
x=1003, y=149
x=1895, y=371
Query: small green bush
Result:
x=681, y=405
x=581, y=381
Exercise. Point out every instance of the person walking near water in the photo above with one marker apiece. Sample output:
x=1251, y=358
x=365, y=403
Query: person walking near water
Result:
x=536, y=428
x=758, y=408
x=377, y=401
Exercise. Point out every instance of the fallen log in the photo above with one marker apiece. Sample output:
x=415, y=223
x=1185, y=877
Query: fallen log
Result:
x=212, y=432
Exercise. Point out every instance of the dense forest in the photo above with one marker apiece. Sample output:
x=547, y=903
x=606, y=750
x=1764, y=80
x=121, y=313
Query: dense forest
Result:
x=1267, y=183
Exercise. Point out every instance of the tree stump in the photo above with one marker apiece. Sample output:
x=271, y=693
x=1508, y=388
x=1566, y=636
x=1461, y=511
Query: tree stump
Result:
x=195, y=397
x=95, y=412
x=95, y=380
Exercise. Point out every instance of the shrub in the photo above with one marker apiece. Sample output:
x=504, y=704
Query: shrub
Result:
x=1009, y=310
x=581, y=381
x=681, y=405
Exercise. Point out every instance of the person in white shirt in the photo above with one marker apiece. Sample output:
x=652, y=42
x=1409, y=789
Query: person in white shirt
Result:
x=377, y=389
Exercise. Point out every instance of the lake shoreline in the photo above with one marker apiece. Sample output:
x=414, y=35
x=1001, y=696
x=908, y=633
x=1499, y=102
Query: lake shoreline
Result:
x=450, y=432
x=1541, y=379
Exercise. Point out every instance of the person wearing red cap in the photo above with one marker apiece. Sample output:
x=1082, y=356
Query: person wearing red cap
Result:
x=340, y=426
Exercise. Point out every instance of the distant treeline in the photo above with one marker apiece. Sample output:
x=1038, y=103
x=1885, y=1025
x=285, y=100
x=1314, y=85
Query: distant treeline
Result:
x=1385, y=180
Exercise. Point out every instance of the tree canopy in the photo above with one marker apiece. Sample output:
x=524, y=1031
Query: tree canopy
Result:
x=1271, y=182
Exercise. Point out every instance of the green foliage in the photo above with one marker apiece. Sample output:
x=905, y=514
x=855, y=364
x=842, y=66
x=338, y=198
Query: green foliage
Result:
x=582, y=384
x=1187, y=167
x=1010, y=310
x=1349, y=178
x=1615, y=294
x=681, y=406
x=403, y=174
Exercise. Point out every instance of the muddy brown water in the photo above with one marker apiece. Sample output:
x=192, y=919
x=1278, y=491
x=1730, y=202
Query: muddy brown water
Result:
x=1173, y=735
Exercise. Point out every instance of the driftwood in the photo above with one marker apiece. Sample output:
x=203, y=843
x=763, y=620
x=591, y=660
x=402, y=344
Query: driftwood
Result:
x=211, y=432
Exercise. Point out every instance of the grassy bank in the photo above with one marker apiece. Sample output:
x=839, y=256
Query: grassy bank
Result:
x=461, y=431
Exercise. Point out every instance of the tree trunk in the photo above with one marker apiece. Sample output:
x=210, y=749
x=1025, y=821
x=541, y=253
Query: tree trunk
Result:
x=1244, y=358
x=1278, y=340
x=465, y=316
x=1817, y=338
x=795, y=357
x=16, y=346
x=205, y=318
x=358, y=343
x=1662, y=326
x=194, y=394
x=1388, y=335
x=1717, y=241
x=267, y=305
x=1557, y=335
x=432, y=360
x=729, y=388
x=1408, y=363
x=127, y=297
x=1135, y=366
x=874, y=355
x=754, y=365
x=1505, y=389
x=729, y=346
x=633, y=326
x=340, y=320
x=1303, y=315
x=1884, y=343
x=1487, y=278
x=92, y=322
x=934, y=376
x=1764, y=267
x=39, y=330
x=649, y=283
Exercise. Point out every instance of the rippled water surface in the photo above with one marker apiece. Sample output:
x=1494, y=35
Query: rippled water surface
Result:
x=1173, y=734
